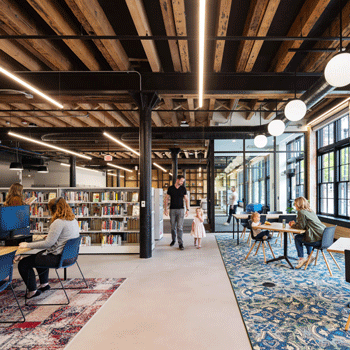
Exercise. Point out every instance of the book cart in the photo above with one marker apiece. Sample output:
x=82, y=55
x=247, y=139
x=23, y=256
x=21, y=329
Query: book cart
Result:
x=108, y=217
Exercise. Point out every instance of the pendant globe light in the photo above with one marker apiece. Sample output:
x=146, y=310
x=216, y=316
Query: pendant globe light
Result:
x=260, y=141
x=296, y=108
x=337, y=71
x=276, y=127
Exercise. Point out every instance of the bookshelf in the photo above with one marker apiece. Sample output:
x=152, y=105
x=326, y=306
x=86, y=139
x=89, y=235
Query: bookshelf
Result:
x=196, y=184
x=108, y=217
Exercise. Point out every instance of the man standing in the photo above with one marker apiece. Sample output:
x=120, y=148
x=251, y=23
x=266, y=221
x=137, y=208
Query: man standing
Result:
x=233, y=203
x=177, y=195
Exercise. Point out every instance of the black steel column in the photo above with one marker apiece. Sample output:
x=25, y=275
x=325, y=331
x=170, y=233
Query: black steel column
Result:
x=275, y=175
x=146, y=102
x=211, y=187
x=174, y=153
x=73, y=171
x=118, y=178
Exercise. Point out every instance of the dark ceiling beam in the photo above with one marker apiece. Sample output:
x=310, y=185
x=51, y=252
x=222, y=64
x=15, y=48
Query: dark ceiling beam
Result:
x=182, y=83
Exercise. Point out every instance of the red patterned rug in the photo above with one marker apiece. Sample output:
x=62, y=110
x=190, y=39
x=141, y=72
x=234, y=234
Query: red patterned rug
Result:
x=52, y=327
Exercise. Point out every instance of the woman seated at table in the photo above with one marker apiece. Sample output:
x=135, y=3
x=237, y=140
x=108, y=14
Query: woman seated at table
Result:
x=63, y=227
x=308, y=221
x=14, y=196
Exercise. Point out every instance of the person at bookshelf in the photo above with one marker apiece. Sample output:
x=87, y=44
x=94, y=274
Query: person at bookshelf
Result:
x=177, y=194
x=233, y=203
x=198, y=230
x=306, y=220
x=63, y=226
x=14, y=196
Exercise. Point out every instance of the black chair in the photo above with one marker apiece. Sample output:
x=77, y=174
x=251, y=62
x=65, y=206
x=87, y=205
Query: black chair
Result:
x=6, y=270
x=347, y=278
x=244, y=223
x=327, y=241
x=69, y=257
x=260, y=240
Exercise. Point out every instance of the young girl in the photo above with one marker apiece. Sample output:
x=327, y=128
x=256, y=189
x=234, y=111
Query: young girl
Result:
x=198, y=230
x=258, y=233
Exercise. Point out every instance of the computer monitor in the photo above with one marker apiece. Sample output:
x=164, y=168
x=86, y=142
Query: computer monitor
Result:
x=14, y=222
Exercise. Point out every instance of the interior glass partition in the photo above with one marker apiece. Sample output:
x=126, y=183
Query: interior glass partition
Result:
x=271, y=177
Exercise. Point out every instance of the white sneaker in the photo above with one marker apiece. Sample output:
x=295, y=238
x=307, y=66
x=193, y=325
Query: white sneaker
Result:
x=301, y=262
x=226, y=223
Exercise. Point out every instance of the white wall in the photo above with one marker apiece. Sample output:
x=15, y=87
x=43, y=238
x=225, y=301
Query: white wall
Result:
x=8, y=177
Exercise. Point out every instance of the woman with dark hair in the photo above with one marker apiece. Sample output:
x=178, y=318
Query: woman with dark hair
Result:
x=63, y=227
x=306, y=220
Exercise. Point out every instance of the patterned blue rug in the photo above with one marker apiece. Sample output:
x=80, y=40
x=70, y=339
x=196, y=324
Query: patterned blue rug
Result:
x=305, y=309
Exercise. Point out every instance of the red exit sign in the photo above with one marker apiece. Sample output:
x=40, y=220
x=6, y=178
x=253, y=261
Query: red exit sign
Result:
x=108, y=158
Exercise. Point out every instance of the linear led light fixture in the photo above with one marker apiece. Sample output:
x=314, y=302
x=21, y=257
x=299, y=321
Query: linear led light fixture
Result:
x=158, y=166
x=114, y=174
x=129, y=148
x=119, y=167
x=329, y=111
x=29, y=87
x=80, y=167
x=47, y=145
x=201, y=51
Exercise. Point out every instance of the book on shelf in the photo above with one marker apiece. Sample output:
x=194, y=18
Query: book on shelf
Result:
x=85, y=241
x=135, y=197
x=52, y=195
x=30, y=200
x=95, y=197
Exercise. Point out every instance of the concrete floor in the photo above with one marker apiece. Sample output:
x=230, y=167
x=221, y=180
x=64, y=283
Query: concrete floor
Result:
x=175, y=300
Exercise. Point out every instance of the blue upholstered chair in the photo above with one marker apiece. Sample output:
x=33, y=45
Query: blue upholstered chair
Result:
x=327, y=241
x=69, y=257
x=6, y=269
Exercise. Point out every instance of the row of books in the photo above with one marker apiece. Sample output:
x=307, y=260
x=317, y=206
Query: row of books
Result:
x=39, y=210
x=88, y=240
x=39, y=226
x=82, y=210
x=133, y=210
x=112, y=225
x=113, y=210
x=76, y=196
x=111, y=240
x=83, y=225
x=40, y=196
x=133, y=238
x=133, y=224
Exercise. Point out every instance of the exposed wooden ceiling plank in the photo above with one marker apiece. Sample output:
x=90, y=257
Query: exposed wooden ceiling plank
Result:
x=59, y=20
x=316, y=61
x=132, y=117
x=309, y=14
x=14, y=18
x=211, y=106
x=99, y=25
x=12, y=121
x=168, y=18
x=191, y=106
x=102, y=117
x=254, y=104
x=255, y=15
x=263, y=30
x=118, y=116
x=139, y=16
x=233, y=106
x=170, y=105
x=268, y=116
x=181, y=30
x=157, y=119
x=223, y=15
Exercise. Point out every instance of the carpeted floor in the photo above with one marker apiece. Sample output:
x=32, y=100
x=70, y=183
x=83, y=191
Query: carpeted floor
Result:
x=305, y=309
x=52, y=327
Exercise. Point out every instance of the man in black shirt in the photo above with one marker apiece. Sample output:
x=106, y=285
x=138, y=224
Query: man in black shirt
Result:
x=177, y=195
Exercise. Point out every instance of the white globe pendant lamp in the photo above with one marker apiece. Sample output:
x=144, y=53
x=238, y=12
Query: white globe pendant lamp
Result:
x=337, y=71
x=260, y=141
x=295, y=110
x=276, y=127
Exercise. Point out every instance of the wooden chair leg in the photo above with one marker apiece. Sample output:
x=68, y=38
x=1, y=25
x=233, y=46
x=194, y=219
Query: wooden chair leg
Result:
x=316, y=256
x=250, y=251
x=347, y=324
x=278, y=234
x=248, y=238
x=263, y=247
x=243, y=233
x=271, y=250
x=257, y=248
x=334, y=259
x=325, y=259
x=308, y=260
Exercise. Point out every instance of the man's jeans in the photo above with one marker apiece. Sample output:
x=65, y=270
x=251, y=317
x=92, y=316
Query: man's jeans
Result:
x=177, y=222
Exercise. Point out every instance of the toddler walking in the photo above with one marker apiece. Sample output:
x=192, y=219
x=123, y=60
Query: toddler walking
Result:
x=257, y=233
x=198, y=231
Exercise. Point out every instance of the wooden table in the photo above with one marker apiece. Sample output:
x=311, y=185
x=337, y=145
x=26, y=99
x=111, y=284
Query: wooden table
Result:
x=245, y=216
x=5, y=250
x=340, y=245
x=278, y=226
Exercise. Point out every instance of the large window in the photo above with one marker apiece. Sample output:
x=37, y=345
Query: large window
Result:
x=333, y=167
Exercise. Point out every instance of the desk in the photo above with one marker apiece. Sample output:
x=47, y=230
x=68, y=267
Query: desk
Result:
x=340, y=245
x=277, y=226
x=245, y=216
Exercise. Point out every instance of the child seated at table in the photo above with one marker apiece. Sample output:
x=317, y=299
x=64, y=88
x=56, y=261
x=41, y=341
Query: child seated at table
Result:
x=258, y=233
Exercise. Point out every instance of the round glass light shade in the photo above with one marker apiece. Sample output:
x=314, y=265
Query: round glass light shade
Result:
x=295, y=110
x=337, y=71
x=260, y=141
x=276, y=127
